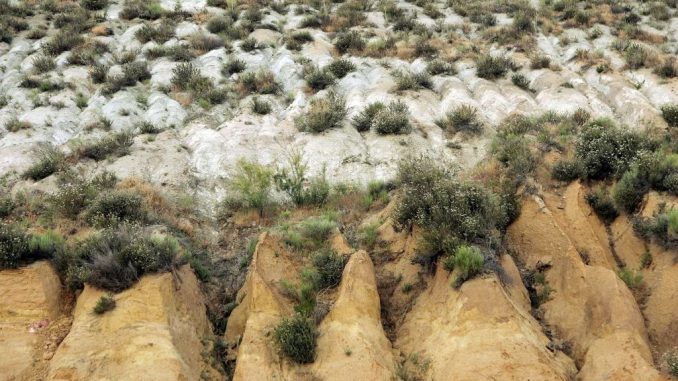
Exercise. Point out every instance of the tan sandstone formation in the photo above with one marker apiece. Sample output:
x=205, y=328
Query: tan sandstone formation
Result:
x=483, y=330
x=154, y=333
x=29, y=302
x=590, y=307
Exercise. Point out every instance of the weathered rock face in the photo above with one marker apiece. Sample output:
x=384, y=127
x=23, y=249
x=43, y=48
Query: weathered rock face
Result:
x=29, y=302
x=590, y=307
x=352, y=340
x=154, y=333
x=352, y=326
x=480, y=331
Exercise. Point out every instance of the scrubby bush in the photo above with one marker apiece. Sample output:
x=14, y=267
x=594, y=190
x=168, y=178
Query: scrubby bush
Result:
x=13, y=246
x=43, y=64
x=629, y=191
x=104, y=304
x=262, y=82
x=349, y=41
x=317, y=229
x=234, y=66
x=449, y=210
x=566, y=170
x=260, y=106
x=670, y=114
x=296, y=338
x=463, y=118
x=150, y=254
x=602, y=205
x=329, y=266
x=205, y=42
x=251, y=184
x=94, y=5
x=540, y=62
x=62, y=41
x=632, y=278
x=323, y=114
x=340, y=67
x=393, y=119
x=111, y=208
x=161, y=33
x=438, y=67
x=219, y=24
x=468, y=261
x=318, y=79
x=363, y=121
x=116, y=144
x=412, y=81
x=492, y=67
x=249, y=44
x=521, y=81
x=606, y=151
x=49, y=160
x=303, y=191
x=143, y=9
x=6, y=206
x=98, y=73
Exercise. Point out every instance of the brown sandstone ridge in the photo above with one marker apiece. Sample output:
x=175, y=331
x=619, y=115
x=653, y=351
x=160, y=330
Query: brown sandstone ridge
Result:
x=590, y=307
x=351, y=342
x=482, y=330
x=660, y=278
x=154, y=333
x=261, y=305
x=30, y=301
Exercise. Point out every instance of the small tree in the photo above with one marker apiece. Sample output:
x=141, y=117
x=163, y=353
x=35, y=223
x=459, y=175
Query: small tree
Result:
x=253, y=182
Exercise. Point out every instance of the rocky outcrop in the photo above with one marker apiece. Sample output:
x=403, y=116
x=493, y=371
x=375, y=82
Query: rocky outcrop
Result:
x=590, y=307
x=483, y=330
x=30, y=300
x=351, y=335
x=155, y=332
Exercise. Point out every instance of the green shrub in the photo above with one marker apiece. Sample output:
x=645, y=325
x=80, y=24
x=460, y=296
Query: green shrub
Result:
x=46, y=245
x=604, y=150
x=261, y=82
x=6, y=206
x=15, y=125
x=148, y=10
x=323, y=114
x=491, y=67
x=449, y=210
x=522, y=22
x=205, y=42
x=317, y=229
x=104, y=304
x=150, y=254
x=50, y=160
x=602, y=205
x=393, y=119
x=629, y=191
x=296, y=338
x=464, y=118
x=61, y=42
x=349, y=41
x=249, y=44
x=301, y=190
x=670, y=114
x=438, y=67
x=219, y=24
x=521, y=81
x=111, y=208
x=161, y=33
x=260, y=107
x=234, y=66
x=43, y=64
x=252, y=184
x=318, y=79
x=566, y=170
x=468, y=260
x=363, y=121
x=13, y=246
x=329, y=266
x=98, y=73
x=94, y=5
x=632, y=278
x=671, y=359
x=412, y=81
x=340, y=67
x=117, y=144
